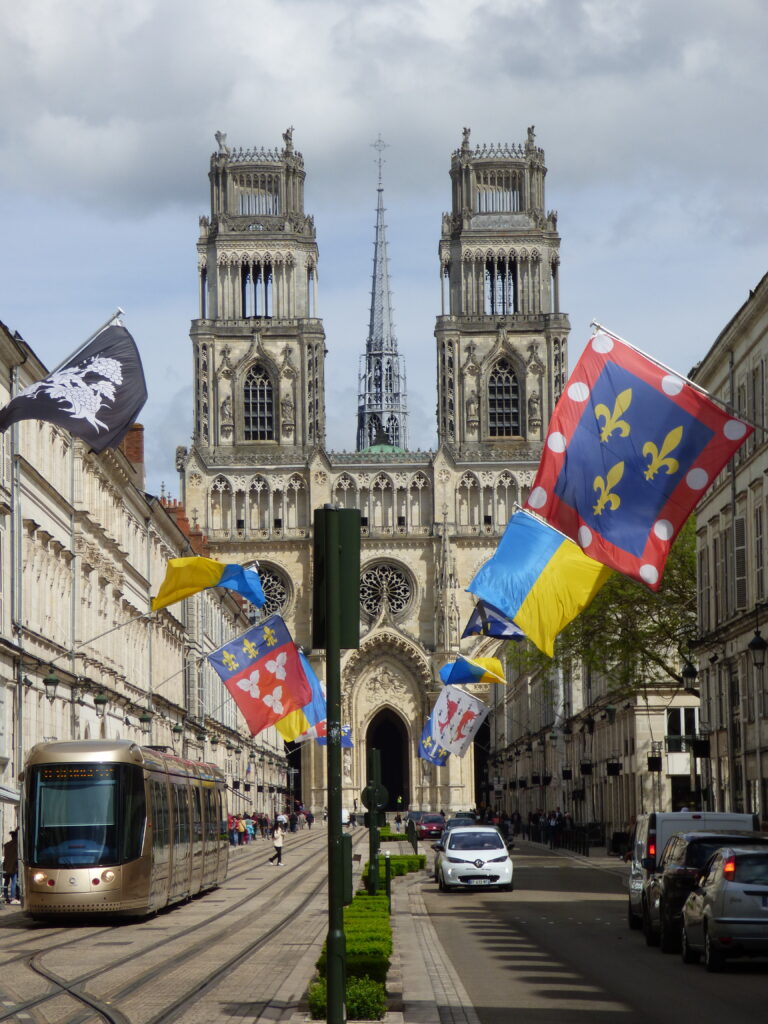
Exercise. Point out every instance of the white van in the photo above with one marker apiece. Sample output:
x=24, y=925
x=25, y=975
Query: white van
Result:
x=650, y=836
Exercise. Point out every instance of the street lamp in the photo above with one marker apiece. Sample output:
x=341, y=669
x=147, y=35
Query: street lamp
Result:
x=757, y=647
x=50, y=682
x=100, y=702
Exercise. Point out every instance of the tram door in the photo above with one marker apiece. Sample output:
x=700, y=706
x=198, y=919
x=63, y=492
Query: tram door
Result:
x=181, y=861
x=198, y=838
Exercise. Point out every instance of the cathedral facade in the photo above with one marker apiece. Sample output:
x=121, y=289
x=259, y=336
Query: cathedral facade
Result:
x=258, y=464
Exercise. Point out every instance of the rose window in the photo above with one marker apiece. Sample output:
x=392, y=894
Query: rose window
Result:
x=275, y=591
x=384, y=583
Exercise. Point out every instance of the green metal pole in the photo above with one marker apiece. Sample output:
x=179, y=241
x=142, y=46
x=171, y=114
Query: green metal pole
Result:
x=336, y=941
x=374, y=778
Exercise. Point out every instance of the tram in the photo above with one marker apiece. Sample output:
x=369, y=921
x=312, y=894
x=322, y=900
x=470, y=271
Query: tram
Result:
x=110, y=827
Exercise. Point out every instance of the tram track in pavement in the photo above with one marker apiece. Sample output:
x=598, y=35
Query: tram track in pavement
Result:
x=116, y=1001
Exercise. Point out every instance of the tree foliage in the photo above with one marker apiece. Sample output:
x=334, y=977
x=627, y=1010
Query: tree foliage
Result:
x=630, y=633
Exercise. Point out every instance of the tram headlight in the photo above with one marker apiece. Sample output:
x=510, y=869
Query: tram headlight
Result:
x=39, y=877
x=107, y=876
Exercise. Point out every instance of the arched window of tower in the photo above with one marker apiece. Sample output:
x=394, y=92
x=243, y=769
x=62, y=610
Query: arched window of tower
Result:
x=503, y=401
x=258, y=406
x=385, y=583
x=220, y=511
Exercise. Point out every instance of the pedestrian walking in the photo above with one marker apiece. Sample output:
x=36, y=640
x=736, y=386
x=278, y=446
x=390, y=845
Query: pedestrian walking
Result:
x=277, y=842
x=398, y=822
x=11, y=868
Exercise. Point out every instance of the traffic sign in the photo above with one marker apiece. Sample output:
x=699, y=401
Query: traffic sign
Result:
x=375, y=797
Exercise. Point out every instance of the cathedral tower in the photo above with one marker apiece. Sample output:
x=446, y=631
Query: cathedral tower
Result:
x=502, y=340
x=259, y=347
x=381, y=410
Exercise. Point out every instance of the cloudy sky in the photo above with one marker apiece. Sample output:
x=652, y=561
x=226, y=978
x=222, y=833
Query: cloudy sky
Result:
x=650, y=112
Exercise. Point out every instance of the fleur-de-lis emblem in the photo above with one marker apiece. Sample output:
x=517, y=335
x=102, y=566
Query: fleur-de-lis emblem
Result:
x=662, y=459
x=251, y=684
x=605, y=486
x=277, y=667
x=272, y=700
x=613, y=421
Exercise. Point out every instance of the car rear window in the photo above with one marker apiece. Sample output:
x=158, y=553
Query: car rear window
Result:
x=475, y=841
x=751, y=869
x=699, y=853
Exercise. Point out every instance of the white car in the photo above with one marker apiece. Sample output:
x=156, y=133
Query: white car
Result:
x=472, y=856
x=726, y=915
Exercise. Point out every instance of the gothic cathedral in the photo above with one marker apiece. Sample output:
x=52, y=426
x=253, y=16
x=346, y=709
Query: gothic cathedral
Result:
x=258, y=464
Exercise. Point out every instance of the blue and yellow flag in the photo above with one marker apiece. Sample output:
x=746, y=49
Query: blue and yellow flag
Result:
x=472, y=670
x=187, y=576
x=539, y=578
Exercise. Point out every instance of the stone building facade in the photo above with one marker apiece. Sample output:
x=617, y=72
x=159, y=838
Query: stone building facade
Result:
x=82, y=548
x=731, y=572
x=258, y=464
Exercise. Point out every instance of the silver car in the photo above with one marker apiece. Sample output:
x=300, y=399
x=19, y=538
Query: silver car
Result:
x=472, y=856
x=727, y=913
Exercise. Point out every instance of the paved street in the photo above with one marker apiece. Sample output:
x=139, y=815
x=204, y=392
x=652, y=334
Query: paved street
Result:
x=558, y=948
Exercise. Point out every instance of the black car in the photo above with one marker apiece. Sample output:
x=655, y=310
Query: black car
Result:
x=675, y=877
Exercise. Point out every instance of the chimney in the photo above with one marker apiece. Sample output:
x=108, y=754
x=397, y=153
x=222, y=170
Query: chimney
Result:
x=133, y=448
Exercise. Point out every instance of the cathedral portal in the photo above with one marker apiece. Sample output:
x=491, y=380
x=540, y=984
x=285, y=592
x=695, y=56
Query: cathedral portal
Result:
x=387, y=734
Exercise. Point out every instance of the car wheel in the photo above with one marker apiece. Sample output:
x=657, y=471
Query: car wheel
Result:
x=689, y=956
x=633, y=920
x=668, y=940
x=713, y=958
x=651, y=938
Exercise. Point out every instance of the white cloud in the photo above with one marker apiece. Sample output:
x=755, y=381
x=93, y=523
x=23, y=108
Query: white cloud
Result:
x=649, y=113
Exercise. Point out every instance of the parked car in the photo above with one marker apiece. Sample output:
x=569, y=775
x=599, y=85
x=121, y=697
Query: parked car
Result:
x=726, y=915
x=650, y=835
x=676, y=874
x=472, y=856
x=430, y=826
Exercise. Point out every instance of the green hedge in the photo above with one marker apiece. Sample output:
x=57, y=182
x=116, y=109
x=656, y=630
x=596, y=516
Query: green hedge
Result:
x=365, y=999
x=399, y=863
x=368, y=934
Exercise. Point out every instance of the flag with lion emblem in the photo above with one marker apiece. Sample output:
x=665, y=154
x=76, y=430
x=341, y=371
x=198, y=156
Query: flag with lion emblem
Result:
x=262, y=671
x=96, y=395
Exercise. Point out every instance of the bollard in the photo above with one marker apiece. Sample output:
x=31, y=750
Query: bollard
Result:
x=388, y=880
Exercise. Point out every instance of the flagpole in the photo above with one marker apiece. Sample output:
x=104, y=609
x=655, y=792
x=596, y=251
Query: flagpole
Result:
x=107, y=323
x=713, y=398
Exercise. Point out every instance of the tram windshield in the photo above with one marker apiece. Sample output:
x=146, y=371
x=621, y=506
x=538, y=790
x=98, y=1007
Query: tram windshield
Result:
x=85, y=815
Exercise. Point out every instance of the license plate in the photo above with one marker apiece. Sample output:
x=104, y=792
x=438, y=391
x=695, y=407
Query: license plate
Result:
x=478, y=881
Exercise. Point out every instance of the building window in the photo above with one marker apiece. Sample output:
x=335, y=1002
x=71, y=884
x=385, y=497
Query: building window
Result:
x=275, y=589
x=258, y=406
x=503, y=401
x=384, y=584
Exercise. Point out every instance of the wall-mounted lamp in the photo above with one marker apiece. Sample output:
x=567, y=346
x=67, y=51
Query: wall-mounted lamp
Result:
x=51, y=682
x=100, y=702
x=145, y=721
x=757, y=648
x=214, y=741
x=178, y=729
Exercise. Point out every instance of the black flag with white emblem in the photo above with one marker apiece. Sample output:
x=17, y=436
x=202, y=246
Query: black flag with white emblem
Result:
x=96, y=395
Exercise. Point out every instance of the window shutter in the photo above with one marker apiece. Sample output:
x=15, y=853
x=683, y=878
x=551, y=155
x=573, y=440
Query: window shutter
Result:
x=740, y=561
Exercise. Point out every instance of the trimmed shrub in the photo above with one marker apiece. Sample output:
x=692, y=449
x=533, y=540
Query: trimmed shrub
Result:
x=365, y=999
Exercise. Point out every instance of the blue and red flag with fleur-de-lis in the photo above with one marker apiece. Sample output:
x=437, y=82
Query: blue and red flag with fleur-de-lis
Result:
x=262, y=671
x=631, y=448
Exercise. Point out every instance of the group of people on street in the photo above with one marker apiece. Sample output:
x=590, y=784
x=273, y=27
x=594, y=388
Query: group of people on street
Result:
x=245, y=828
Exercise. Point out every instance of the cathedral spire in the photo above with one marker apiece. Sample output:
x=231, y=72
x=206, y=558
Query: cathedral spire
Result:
x=381, y=413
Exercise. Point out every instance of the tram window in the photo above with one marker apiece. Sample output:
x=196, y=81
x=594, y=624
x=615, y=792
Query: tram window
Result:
x=160, y=813
x=198, y=814
x=84, y=815
x=210, y=815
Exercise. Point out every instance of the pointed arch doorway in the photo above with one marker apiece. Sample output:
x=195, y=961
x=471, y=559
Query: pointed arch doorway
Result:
x=388, y=735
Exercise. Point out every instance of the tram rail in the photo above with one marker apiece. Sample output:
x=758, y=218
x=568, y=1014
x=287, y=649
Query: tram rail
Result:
x=118, y=1001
